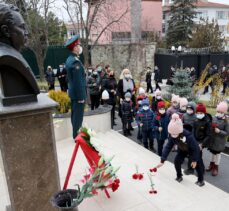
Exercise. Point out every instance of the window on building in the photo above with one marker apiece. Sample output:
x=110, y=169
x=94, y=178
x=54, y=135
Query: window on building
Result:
x=202, y=15
x=222, y=28
x=121, y=35
x=221, y=15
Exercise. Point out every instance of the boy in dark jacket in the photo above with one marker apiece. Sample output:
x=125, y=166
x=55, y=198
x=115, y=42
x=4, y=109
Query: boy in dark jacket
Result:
x=187, y=146
x=160, y=123
x=190, y=116
x=145, y=120
x=201, y=132
x=127, y=114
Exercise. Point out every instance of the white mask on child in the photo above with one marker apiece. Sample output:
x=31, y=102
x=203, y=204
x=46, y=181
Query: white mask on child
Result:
x=161, y=111
x=219, y=115
x=189, y=111
x=145, y=108
x=127, y=99
x=174, y=135
x=158, y=97
x=200, y=116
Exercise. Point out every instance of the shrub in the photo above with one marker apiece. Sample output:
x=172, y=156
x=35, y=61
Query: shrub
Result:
x=62, y=99
x=43, y=86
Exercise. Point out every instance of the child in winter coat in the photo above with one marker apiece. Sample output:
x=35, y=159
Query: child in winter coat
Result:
x=141, y=96
x=183, y=106
x=160, y=123
x=189, y=117
x=145, y=120
x=175, y=105
x=156, y=99
x=220, y=131
x=187, y=146
x=127, y=114
x=201, y=131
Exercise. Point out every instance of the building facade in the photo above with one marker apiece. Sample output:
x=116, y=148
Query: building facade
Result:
x=142, y=17
x=205, y=10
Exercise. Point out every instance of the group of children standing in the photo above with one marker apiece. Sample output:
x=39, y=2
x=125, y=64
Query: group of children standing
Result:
x=187, y=126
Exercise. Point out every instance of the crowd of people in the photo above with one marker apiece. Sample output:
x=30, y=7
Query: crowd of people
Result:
x=184, y=124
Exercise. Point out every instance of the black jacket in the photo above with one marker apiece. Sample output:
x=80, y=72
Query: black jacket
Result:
x=127, y=111
x=187, y=145
x=202, y=129
x=111, y=84
x=120, y=92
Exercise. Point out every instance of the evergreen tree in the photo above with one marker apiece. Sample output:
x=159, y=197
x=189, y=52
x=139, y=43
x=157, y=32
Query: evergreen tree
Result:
x=181, y=22
x=207, y=35
x=182, y=85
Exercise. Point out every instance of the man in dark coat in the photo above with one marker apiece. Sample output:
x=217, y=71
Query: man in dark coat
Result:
x=76, y=83
x=62, y=77
x=148, y=80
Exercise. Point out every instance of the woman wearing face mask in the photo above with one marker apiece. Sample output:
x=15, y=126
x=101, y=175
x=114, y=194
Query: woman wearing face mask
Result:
x=187, y=147
x=125, y=84
x=156, y=99
x=111, y=86
x=145, y=120
x=175, y=105
x=220, y=131
x=160, y=124
x=94, y=89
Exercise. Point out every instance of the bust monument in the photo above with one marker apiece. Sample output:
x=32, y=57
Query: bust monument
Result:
x=17, y=82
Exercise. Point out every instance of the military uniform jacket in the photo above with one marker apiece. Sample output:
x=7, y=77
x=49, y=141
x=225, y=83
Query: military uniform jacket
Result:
x=76, y=78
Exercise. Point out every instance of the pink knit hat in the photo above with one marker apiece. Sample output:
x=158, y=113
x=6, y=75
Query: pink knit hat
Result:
x=183, y=102
x=175, y=126
x=222, y=107
x=157, y=92
x=175, y=98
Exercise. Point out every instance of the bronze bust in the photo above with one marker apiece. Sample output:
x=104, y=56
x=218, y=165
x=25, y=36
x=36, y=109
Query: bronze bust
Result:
x=17, y=82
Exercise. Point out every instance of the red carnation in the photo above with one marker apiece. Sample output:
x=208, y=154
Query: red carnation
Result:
x=117, y=181
x=135, y=176
x=140, y=176
x=158, y=118
x=214, y=125
x=153, y=170
x=114, y=186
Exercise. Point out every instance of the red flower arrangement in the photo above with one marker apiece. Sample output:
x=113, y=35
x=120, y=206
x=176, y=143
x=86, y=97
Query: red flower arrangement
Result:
x=137, y=175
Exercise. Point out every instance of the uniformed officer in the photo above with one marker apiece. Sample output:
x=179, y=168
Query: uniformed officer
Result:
x=76, y=83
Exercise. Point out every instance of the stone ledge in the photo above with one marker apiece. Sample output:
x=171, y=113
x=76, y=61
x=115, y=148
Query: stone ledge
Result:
x=43, y=103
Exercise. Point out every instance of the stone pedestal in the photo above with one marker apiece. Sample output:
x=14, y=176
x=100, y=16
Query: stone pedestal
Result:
x=28, y=149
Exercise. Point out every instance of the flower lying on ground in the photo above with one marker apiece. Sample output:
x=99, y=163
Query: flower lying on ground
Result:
x=152, y=190
x=137, y=175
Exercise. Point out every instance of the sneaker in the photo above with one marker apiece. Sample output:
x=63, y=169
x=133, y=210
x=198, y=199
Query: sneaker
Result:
x=200, y=183
x=179, y=179
x=188, y=171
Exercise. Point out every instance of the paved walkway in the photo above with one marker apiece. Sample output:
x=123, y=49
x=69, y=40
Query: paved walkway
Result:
x=133, y=195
